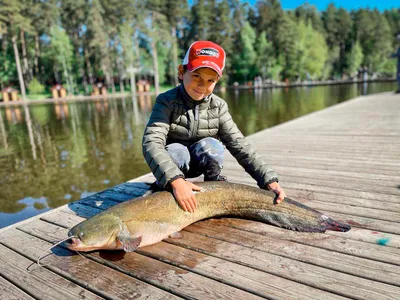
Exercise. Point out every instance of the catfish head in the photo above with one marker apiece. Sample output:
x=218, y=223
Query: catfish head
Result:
x=102, y=232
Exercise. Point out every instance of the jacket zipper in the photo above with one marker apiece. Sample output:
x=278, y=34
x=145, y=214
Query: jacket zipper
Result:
x=196, y=121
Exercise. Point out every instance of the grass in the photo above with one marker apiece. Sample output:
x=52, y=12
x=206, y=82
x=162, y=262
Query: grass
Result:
x=38, y=96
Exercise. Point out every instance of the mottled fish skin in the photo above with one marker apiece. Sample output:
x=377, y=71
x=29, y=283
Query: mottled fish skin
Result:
x=148, y=220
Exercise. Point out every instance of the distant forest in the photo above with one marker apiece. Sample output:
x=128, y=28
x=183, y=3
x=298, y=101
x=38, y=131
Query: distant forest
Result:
x=80, y=42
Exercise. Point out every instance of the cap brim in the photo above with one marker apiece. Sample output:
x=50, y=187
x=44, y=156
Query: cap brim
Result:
x=198, y=63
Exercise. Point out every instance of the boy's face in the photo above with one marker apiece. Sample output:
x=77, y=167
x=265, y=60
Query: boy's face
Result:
x=199, y=83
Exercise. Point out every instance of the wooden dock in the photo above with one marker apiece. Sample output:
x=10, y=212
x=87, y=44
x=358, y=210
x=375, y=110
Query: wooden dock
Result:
x=343, y=161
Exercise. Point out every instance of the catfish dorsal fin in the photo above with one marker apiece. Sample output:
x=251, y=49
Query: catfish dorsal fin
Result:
x=129, y=243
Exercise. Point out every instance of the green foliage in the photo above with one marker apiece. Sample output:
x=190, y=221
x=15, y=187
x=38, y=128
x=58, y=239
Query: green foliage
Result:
x=354, y=59
x=61, y=50
x=245, y=57
x=83, y=41
x=313, y=51
x=8, y=69
x=35, y=87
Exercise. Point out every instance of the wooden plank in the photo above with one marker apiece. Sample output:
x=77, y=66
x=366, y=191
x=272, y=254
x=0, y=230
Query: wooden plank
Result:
x=84, y=211
x=322, y=189
x=354, y=184
x=316, y=147
x=324, y=167
x=260, y=283
x=8, y=291
x=378, y=214
x=94, y=276
x=38, y=282
x=294, y=176
x=328, y=179
x=176, y=280
x=63, y=218
x=326, y=241
x=337, y=139
x=315, y=276
x=385, y=180
x=368, y=236
x=344, y=263
x=382, y=212
x=357, y=202
x=133, y=189
x=95, y=202
x=325, y=156
x=367, y=223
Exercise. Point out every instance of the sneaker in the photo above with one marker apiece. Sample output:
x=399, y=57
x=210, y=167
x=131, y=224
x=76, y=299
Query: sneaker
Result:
x=219, y=178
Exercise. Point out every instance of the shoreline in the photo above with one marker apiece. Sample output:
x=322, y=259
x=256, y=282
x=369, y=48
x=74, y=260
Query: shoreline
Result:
x=307, y=83
x=82, y=98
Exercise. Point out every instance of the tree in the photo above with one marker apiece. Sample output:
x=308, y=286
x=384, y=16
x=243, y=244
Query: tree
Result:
x=286, y=39
x=175, y=10
x=344, y=25
x=309, y=13
x=245, y=56
x=11, y=18
x=7, y=69
x=99, y=39
x=354, y=59
x=73, y=16
x=264, y=55
x=271, y=20
x=224, y=35
x=155, y=27
x=373, y=32
x=62, y=52
x=200, y=21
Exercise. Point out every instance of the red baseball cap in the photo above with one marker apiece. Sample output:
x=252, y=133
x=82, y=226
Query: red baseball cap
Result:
x=205, y=54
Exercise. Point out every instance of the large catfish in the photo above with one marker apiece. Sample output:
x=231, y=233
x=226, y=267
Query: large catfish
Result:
x=147, y=220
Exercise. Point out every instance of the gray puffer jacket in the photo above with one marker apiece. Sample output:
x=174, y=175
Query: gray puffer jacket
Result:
x=177, y=118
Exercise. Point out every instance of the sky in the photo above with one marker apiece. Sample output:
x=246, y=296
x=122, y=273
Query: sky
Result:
x=347, y=4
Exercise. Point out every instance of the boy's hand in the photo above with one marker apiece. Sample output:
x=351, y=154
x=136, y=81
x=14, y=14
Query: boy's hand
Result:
x=183, y=192
x=276, y=188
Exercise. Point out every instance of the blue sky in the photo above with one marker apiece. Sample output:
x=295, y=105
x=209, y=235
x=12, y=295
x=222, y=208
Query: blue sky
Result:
x=347, y=4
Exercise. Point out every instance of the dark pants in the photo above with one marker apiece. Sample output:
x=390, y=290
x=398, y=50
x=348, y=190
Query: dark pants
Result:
x=203, y=157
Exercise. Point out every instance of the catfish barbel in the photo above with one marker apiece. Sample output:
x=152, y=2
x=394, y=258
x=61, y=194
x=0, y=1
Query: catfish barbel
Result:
x=147, y=220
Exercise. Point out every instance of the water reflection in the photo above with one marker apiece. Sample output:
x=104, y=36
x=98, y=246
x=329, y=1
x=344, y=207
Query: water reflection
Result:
x=52, y=154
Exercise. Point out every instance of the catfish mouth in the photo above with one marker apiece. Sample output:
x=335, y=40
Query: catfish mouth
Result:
x=76, y=244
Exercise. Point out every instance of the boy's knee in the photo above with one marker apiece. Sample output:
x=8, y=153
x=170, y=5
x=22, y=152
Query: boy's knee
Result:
x=208, y=151
x=180, y=155
x=209, y=145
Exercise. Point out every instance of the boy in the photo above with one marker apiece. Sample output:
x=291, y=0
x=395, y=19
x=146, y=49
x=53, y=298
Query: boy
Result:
x=182, y=137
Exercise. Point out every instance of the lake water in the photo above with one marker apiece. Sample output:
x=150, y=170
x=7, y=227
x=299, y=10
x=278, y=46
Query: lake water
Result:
x=53, y=154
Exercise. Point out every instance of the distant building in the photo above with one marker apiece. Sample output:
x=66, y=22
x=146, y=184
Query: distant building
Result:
x=58, y=91
x=99, y=89
x=9, y=94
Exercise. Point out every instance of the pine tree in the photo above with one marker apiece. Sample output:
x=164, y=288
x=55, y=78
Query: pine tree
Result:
x=175, y=10
x=99, y=39
x=11, y=17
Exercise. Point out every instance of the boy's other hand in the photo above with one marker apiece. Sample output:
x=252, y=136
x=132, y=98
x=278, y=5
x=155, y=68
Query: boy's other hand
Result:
x=276, y=188
x=183, y=192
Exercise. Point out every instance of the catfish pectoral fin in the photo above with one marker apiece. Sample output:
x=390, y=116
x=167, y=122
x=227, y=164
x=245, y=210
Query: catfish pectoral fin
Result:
x=176, y=235
x=129, y=243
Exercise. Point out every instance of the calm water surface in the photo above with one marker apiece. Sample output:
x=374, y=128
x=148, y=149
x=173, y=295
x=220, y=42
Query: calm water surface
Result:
x=52, y=154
